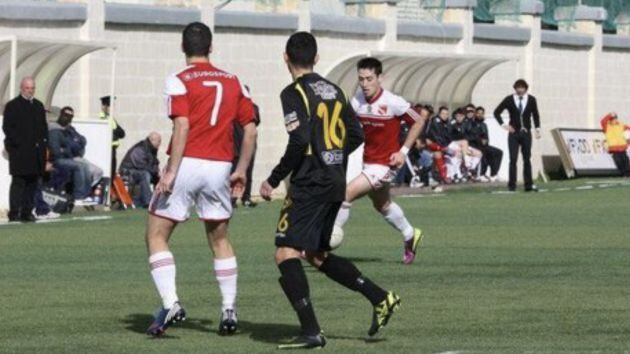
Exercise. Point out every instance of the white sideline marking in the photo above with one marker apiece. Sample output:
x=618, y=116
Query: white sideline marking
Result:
x=452, y=352
x=607, y=181
x=585, y=187
x=561, y=189
x=75, y=218
x=421, y=195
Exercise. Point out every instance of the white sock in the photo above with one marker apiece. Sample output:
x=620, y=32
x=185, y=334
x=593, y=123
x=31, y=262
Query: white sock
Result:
x=226, y=272
x=163, y=272
x=343, y=215
x=395, y=217
x=471, y=162
x=453, y=167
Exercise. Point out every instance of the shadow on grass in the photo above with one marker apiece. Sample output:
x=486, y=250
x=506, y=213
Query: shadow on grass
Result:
x=276, y=333
x=273, y=333
x=139, y=322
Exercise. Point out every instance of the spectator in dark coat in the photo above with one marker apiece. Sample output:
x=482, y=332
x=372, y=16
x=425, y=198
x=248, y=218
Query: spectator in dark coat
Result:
x=478, y=135
x=26, y=135
x=64, y=146
x=77, y=144
x=141, y=168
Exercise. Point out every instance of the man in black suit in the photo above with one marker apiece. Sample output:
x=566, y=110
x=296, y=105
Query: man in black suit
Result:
x=522, y=108
x=26, y=136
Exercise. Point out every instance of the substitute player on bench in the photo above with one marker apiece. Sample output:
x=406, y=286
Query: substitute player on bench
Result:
x=322, y=131
x=203, y=103
x=380, y=112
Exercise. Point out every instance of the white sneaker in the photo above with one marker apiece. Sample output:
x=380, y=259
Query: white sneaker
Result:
x=51, y=215
x=85, y=202
x=493, y=179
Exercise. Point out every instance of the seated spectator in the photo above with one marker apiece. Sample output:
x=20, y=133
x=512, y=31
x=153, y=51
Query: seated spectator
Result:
x=141, y=168
x=478, y=138
x=461, y=148
x=437, y=139
x=65, y=143
x=616, y=141
x=77, y=148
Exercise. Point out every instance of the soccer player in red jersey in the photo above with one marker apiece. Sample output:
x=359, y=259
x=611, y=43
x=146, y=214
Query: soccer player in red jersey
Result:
x=380, y=113
x=203, y=103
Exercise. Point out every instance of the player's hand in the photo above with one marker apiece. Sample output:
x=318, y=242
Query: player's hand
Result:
x=265, y=190
x=166, y=183
x=537, y=134
x=397, y=159
x=238, y=179
x=511, y=129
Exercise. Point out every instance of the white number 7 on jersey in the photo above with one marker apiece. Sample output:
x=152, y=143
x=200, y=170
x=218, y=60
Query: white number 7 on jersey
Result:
x=217, y=100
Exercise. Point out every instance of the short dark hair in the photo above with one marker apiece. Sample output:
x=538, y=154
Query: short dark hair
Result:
x=460, y=111
x=521, y=83
x=442, y=108
x=480, y=108
x=66, y=110
x=371, y=63
x=301, y=49
x=470, y=105
x=197, y=40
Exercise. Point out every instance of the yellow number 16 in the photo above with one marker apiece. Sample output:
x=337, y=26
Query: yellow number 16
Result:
x=332, y=139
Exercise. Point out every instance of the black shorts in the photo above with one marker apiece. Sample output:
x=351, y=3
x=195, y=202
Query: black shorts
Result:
x=306, y=224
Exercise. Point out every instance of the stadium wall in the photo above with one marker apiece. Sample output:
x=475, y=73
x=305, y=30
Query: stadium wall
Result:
x=577, y=74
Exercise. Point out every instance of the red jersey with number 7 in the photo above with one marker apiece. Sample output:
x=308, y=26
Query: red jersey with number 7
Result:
x=212, y=100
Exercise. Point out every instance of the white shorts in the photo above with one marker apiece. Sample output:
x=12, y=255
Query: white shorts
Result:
x=202, y=183
x=378, y=175
x=454, y=146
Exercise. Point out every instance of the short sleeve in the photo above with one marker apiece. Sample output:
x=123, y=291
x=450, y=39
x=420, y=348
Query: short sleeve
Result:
x=176, y=99
x=398, y=105
x=245, y=113
x=293, y=110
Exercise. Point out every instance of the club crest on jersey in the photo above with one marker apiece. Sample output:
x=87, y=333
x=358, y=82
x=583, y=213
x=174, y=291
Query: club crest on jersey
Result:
x=382, y=109
x=324, y=90
x=291, y=121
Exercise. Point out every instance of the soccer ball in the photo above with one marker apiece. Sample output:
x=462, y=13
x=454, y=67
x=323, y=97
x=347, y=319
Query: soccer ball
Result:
x=336, y=238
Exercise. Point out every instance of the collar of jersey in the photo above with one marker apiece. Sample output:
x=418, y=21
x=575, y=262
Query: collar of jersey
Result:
x=377, y=96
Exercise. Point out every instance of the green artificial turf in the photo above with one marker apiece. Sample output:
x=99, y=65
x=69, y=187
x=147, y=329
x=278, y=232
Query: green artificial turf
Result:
x=523, y=273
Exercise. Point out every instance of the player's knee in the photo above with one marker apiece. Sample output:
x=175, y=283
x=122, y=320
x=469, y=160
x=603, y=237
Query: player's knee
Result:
x=381, y=207
x=316, y=258
x=285, y=253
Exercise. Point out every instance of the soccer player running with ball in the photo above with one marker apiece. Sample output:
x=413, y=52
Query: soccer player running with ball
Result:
x=322, y=131
x=380, y=113
x=203, y=102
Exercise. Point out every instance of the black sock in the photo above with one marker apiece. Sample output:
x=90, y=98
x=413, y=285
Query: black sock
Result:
x=295, y=285
x=345, y=273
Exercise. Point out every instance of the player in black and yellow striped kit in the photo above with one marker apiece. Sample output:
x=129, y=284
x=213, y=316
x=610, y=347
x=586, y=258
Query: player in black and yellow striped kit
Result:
x=323, y=131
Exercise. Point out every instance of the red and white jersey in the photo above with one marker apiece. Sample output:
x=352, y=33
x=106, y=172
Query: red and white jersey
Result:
x=211, y=99
x=380, y=118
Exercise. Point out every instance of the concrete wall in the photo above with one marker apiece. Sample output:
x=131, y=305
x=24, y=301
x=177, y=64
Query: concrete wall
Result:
x=252, y=48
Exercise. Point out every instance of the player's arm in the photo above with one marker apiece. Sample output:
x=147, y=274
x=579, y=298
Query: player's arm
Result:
x=417, y=120
x=178, y=145
x=178, y=110
x=296, y=123
x=247, y=119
